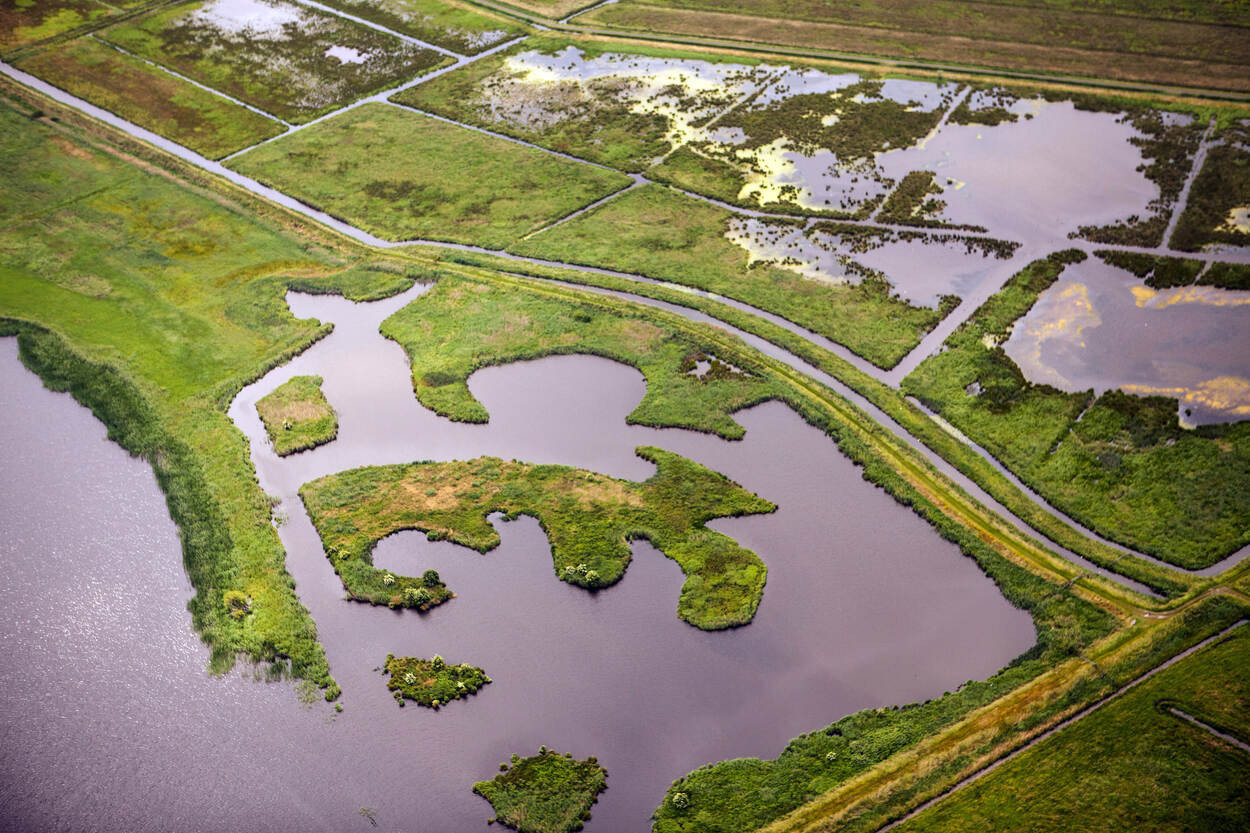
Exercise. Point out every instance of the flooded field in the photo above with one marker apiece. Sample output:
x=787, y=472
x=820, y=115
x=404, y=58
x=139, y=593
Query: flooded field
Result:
x=1100, y=327
x=865, y=606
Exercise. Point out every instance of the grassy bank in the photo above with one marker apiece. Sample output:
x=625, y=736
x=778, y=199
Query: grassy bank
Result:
x=1180, y=777
x=461, y=326
x=154, y=304
x=589, y=518
x=467, y=187
x=151, y=98
x=297, y=416
x=661, y=234
x=289, y=69
x=431, y=682
x=1119, y=464
x=546, y=793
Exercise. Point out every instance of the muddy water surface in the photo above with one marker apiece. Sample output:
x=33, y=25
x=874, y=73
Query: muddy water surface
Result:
x=865, y=606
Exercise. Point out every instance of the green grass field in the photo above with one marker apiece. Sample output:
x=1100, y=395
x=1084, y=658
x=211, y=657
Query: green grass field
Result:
x=545, y=793
x=154, y=304
x=297, y=415
x=662, y=234
x=1125, y=469
x=401, y=175
x=314, y=63
x=24, y=22
x=451, y=25
x=589, y=518
x=461, y=326
x=1131, y=765
x=151, y=98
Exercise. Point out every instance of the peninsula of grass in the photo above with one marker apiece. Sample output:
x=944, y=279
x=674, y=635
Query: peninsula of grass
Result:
x=546, y=793
x=152, y=98
x=461, y=326
x=451, y=25
x=26, y=23
x=1219, y=189
x=297, y=63
x=1179, y=776
x=1227, y=276
x=401, y=175
x=589, y=518
x=431, y=682
x=1119, y=464
x=297, y=416
x=592, y=119
x=661, y=234
x=1156, y=272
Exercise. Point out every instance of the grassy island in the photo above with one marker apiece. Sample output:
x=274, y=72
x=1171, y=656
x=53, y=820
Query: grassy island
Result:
x=297, y=416
x=546, y=793
x=432, y=682
x=590, y=519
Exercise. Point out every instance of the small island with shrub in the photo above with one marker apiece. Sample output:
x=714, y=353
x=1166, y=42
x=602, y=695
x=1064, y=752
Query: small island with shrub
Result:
x=547, y=793
x=431, y=682
x=298, y=416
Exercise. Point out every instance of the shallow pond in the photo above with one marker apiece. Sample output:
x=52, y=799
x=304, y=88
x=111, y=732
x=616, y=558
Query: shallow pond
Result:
x=1101, y=327
x=865, y=606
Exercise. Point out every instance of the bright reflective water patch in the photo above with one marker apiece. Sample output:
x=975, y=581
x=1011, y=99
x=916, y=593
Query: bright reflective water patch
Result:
x=1099, y=327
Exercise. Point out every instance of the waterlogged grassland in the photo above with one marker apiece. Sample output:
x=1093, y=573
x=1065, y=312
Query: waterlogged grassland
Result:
x=154, y=304
x=620, y=105
x=1119, y=464
x=461, y=326
x=297, y=416
x=1218, y=209
x=1130, y=766
x=589, y=518
x=401, y=175
x=662, y=234
x=285, y=58
x=151, y=98
x=24, y=22
x=546, y=793
x=431, y=682
x=450, y=25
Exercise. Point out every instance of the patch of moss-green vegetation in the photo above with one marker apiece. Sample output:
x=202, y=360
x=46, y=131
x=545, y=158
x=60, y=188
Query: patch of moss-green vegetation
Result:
x=154, y=304
x=461, y=326
x=450, y=25
x=1218, y=209
x=1157, y=272
x=366, y=282
x=1227, y=276
x=589, y=518
x=431, y=682
x=165, y=104
x=297, y=416
x=1167, y=144
x=617, y=114
x=988, y=110
x=285, y=58
x=401, y=175
x=546, y=793
x=1180, y=776
x=913, y=202
x=1119, y=464
x=24, y=22
x=656, y=232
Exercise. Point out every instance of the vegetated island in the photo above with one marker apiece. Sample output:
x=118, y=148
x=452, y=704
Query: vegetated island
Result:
x=431, y=682
x=547, y=793
x=298, y=416
x=590, y=519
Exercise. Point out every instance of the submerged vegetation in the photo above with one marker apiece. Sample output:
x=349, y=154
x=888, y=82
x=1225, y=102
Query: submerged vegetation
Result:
x=589, y=518
x=431, y=682
x=461, y=326
x=297, y=415
x=1120, y=464
x=467, y=187
x=545, y=793
x=450, y=25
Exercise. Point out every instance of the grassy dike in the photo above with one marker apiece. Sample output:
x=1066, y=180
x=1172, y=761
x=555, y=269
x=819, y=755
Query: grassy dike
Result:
x=589, y=518
x=154, y=304
x=893, y=404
